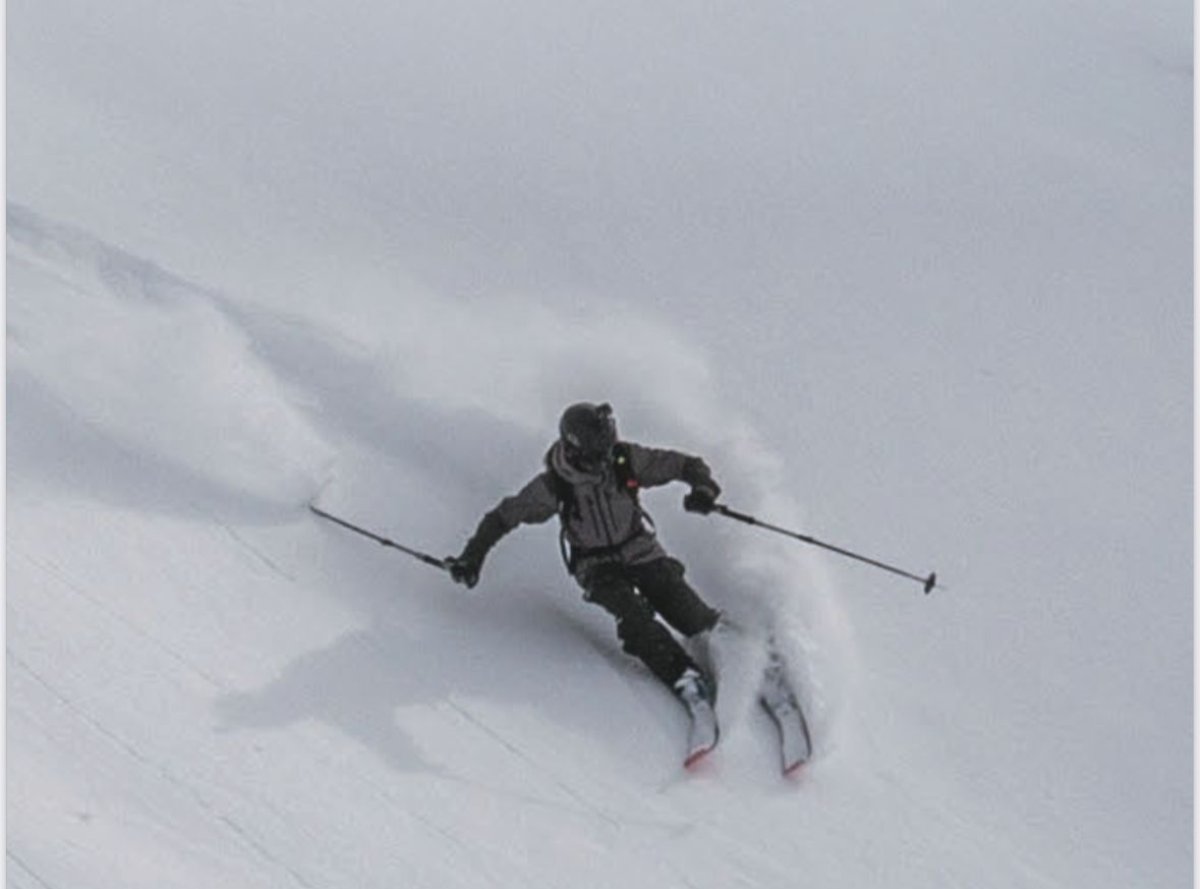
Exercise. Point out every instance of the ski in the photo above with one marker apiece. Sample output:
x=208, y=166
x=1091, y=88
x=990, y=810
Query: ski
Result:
x=776, y=695
x=694, y=692
x=703, y=733
x=778, y=698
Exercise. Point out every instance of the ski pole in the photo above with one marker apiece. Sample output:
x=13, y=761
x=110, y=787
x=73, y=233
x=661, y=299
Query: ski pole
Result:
x=927, y=582
x=416, y=554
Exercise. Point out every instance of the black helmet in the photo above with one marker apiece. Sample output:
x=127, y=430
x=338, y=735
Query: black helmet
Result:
x=588, y=433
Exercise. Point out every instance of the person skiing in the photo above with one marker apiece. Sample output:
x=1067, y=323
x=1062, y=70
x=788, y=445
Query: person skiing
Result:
x=591, y=482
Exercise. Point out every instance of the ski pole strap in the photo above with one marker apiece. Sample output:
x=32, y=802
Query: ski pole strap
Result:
x=928, y=583
x=416, y=554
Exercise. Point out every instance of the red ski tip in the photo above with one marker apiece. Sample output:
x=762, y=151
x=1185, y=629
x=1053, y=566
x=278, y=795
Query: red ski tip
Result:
x=696, y=758
x=795, y=769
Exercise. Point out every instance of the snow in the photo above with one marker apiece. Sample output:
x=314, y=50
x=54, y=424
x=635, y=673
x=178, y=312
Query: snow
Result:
x=916, y=282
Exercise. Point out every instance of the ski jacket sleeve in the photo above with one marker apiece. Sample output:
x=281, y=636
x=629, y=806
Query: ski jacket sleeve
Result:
x=658, y=466
x=533, y=504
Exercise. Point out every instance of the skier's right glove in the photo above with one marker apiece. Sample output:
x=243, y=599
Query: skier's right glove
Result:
x=463, y=569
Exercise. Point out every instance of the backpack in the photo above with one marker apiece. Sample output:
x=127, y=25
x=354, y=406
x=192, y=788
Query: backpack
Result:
x=564, y=492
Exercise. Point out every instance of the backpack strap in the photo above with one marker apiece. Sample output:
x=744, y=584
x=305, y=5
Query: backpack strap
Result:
x=564, y=493
x=627, y=479
x=623, y=468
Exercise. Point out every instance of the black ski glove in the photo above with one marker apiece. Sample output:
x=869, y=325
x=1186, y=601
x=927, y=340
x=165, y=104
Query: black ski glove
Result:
x=702, y=498
x=464, y=569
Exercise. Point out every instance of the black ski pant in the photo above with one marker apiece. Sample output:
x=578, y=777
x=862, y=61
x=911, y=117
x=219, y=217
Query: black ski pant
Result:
x=634, y=594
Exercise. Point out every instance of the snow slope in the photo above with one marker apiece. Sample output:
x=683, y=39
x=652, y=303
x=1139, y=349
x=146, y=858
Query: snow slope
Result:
x=917, y=282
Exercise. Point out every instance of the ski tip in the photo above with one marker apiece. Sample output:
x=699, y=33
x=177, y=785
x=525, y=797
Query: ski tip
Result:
x=696, y=758
x=794, y=770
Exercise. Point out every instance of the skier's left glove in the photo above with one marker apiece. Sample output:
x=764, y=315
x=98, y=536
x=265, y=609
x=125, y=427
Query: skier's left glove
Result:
x=702, y=498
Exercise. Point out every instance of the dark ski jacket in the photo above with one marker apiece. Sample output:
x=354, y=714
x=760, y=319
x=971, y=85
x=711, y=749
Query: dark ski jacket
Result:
x=599, y=512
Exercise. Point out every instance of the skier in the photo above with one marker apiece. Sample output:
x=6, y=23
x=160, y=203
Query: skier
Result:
x=591, y=482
